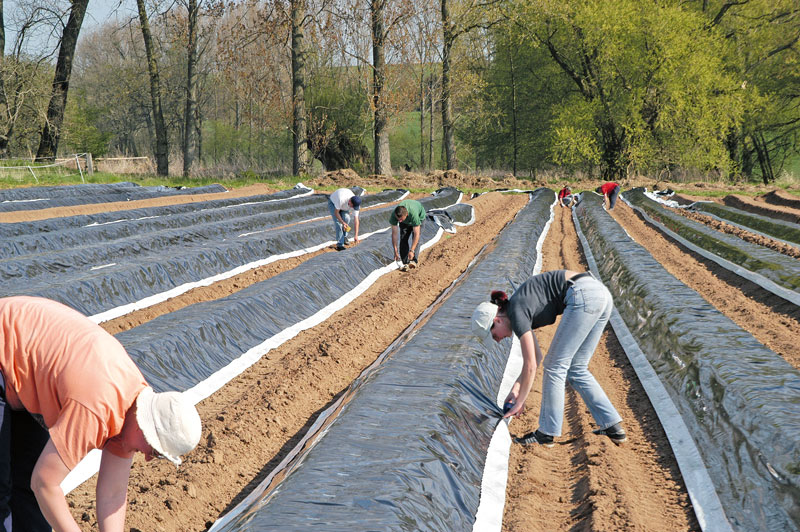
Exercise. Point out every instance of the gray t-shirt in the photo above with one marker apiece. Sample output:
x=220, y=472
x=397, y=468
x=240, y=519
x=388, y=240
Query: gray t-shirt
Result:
x=537, y=302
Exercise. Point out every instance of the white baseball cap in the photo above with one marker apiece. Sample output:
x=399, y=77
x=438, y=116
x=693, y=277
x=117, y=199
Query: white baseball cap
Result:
x=170, y=423
x=482, y=320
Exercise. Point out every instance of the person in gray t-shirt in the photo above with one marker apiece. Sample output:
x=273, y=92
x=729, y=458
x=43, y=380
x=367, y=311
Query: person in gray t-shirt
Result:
x=586, y=306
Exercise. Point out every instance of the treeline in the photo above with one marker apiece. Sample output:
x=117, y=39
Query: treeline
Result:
x=607, y=87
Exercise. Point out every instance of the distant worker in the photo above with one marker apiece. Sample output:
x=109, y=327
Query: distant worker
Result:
x=610, y=190
x=586, y=306
x=406, y=221
x=68, y=387
x=565, y=197
x=340, y=203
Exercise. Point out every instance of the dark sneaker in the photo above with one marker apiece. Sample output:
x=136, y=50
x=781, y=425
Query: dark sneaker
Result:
x=532, y=438
x=615, y=432
x=340, y=247
x=346, y=240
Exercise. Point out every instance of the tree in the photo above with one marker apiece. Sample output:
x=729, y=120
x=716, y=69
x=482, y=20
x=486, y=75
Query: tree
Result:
x=382, y=158
x=300, y=162
x=48, y=145
x=162, y=141
x=190, y=138
x=650, y=87
x=458, y=18
x=764, y=38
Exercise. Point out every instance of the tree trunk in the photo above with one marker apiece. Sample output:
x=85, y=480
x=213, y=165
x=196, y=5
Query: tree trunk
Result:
x=4, y=135
x=382, y=160
x=162, y=141
x=421, y=118
x=51, y=132
x=189, y=130
x=448, y=141
x=514, y=112
x=300, y=155
x=430, y=117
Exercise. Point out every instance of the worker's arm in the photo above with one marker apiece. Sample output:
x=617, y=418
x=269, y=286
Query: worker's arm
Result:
x=531, y=358
x=356, y=224
x=46, y=479
x=414, y=241
x=395, y=238
x=112, y=491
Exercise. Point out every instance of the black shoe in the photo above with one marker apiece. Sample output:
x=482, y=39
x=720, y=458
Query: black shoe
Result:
x=340, y=247
x=615, y=432
x=531, y=438
x=346, y=240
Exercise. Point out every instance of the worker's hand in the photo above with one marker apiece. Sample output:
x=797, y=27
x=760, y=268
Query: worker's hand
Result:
x=410, y=255
x=346, y=228
x=356, y=240
x=396, y=255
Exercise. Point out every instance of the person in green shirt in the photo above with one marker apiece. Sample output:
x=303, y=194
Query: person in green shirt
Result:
x=406, y=221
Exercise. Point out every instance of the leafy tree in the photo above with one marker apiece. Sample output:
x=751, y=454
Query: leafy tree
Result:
x=764, y=37
x=649, y=86
x=338, y=116
x=81, y=133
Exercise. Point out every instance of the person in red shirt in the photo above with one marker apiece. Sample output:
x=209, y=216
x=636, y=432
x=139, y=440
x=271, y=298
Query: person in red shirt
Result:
x=565, y=197
x=611, y=191
x=68, y=387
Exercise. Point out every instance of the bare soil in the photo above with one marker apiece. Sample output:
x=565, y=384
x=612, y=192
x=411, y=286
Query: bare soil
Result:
x=584, y=483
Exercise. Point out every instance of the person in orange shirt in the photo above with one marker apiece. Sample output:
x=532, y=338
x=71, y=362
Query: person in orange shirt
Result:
x=67, y=387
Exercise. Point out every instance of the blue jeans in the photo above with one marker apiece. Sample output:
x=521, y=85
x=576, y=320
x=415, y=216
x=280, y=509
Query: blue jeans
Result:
x=24, y=444
x=589, y=306
x=612, y=197
x=340, y=234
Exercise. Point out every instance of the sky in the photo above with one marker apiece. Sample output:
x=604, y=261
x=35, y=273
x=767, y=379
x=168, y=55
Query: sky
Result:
x=97, y=12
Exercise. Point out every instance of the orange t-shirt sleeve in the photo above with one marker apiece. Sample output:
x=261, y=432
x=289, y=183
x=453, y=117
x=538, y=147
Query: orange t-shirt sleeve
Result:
x=77, y=431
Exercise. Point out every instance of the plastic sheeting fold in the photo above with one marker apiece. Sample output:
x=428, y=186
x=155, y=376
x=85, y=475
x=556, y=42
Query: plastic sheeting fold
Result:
x=739, y=399
x=408, y=449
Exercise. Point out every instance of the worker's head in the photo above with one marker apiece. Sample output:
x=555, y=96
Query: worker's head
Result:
x=355, y=202
x=490, y=320
x=599, y=190
x=401, y=213
x=170, y=423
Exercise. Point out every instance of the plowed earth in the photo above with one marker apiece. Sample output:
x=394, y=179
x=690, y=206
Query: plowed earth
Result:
x=585, y=482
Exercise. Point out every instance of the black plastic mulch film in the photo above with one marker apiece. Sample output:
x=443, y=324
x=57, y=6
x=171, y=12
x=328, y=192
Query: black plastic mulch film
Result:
x=34, y=198
x=740, y=400
x=780, y=229
x=780, y=269
x=136, y=267
x=407, y=452
x=149, y=218
x=180, y=349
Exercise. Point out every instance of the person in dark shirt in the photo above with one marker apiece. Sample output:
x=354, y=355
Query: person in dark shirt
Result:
x=586, y=306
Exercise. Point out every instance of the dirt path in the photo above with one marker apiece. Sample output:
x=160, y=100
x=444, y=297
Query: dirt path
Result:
x=584, y=483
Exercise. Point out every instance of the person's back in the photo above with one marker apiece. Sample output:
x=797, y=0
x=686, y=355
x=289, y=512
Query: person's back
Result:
x=58, y=365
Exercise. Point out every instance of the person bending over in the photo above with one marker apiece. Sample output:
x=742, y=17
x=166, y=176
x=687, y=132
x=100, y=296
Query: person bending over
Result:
x=611, y=191
x=406, y=221
x=340, y=203
x=586, y=306
x=67, y=387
